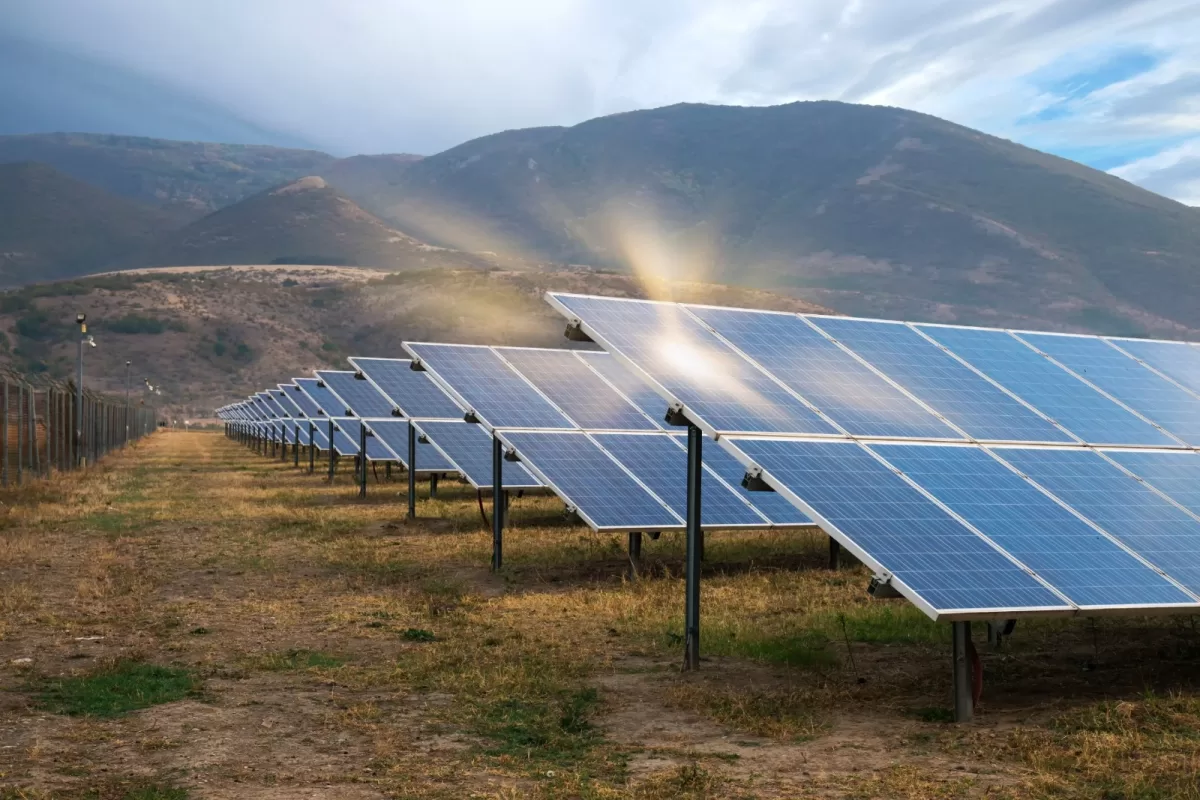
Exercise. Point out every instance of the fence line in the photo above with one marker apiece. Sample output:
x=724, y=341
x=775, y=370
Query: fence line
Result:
x=40, y=435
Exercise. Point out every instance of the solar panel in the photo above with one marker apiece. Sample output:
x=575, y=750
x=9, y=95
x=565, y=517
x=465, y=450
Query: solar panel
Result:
x=777, y=508
x=393, y=435
x=1079, y=408
x=278, y=402
x=302, y=401
x=349, y=429
x=940, y=564
x=327, y=404
x=1179, y=361
x=827, y=376
x=940, y=381
x=724, y=391
x=640, y=393
x=356, y=394
x=497, y=394
x=601, y=492
x=469, y=448
x=1150, y=395
x=1069, y=554
x=1177, y=474
x=660, y=464
x=582, y=395
x=413, y=392
x=1158, y=531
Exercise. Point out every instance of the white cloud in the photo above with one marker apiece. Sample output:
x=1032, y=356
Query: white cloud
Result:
x=1174, y=172
x=377, y=75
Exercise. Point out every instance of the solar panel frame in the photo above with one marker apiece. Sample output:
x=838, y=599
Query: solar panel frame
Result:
x=319, y=394
x=346, y=440
x=627, y=384
x=383, y=428
x=418, y=397
x=732, y=445
x=1149, y=353
x=478, y=475
x=358, y=394
x=1185, y=495
x=302, y=401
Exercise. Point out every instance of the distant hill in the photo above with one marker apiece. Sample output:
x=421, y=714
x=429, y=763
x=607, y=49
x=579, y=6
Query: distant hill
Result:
x=54, y=226
x=187, y=179
x=872, y=210
x=304, y=222
x=207, y=334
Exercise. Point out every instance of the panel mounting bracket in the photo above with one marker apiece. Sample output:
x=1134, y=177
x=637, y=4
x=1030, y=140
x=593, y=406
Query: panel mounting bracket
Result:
x=881, y=587
x=416, y=366
x=471, y=418
x=575, y=332
x=511, y=455
x=753, y=481
x=675, y=416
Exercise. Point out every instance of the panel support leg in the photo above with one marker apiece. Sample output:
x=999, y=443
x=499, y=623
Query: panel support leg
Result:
x=691, y=655
x=433, y=482
x=498, y=498
x=635, y=554
x=312, y=446
x=963, y=705
x=412, y=472
x=296, y=448
x=332, y=452
x=362, y=459
x=835, y=554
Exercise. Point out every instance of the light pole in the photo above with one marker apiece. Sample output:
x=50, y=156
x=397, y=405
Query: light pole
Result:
x=81, y=319
x=128, y=367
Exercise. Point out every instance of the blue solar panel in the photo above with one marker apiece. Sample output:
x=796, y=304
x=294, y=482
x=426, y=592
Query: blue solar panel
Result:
x=412, y=392
x=469, y=447
x=1149, y=525
x=1153, y=397
x=279, y=403
x=778, y=509
x=346, y=441
x=662, y=465
x=720, y=388
x=492, y=389
x=326, y=402
x=940, y=560
x=1179, y=361
x=941, y=382
x=1059, y=395
x=640, y=393
x=1069, y=554
x=1177, y=474
x=581, y=394
x=356, y=394
x=585, y=477
x=302, y=401
x=826, y=375
x=393, y=435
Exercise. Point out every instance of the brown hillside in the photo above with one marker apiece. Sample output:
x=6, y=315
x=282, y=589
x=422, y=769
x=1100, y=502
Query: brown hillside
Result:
x=207, y=335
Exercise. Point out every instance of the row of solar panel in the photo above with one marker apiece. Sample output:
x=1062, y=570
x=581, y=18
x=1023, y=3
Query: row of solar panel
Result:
x=738, y=371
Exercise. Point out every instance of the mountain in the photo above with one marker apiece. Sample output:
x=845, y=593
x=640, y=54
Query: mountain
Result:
x=304, y=222
x=186, y=179
x=872, y=210
x=207, y=334
x=55, y=226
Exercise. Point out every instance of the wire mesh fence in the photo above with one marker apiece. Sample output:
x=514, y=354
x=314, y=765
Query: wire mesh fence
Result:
x=47, y=427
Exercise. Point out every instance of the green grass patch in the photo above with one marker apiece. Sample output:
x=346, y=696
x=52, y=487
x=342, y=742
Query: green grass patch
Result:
x=804, y=650
x=291, y=660
x=417, y=635
x=555, y=729
x=111, y=523
x=934, y=714
x=883, y=623
x=125, y=686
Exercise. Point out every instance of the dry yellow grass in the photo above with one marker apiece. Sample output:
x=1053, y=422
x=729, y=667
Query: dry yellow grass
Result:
x=344, y=652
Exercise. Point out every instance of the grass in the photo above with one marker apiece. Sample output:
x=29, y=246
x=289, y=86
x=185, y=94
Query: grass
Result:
x=118, y=689
x=344, y=651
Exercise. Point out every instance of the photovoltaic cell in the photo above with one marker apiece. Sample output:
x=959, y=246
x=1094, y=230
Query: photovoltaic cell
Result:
x=1149, y=525
x=715, y=383
x=469, y=447
x=1125, y=379
x=1177, y=360
x=593, y=483
x=939, y=559
x=582, y=394
x=637, y=390
x=1055, y=392
x=356, y=394
x=1072, y=556
x=326, y=402
x=393, y=435
x=302, y=401
x=413, y=392
x=345, y=440
x=941, y=382
x=826, y=375
x=662, y=465
x=491, y=388
x=778, y=509
x=1177, y=474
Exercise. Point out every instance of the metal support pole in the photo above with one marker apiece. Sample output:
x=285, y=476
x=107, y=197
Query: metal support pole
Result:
x=961, y=636
x=20, y=432
x=497, y=504
x=312, y=446
x=635, y=553
x=296, y=447
x=79, y=457
x=332, y=452
x=433, y=484
x=835, y=554
x=412, y=471
x=362, y=459
x=691, y=655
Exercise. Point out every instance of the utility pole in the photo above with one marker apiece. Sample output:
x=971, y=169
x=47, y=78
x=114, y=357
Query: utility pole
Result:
x=81, y=319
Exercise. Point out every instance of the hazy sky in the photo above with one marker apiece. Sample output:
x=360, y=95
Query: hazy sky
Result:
x=1112, y=83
